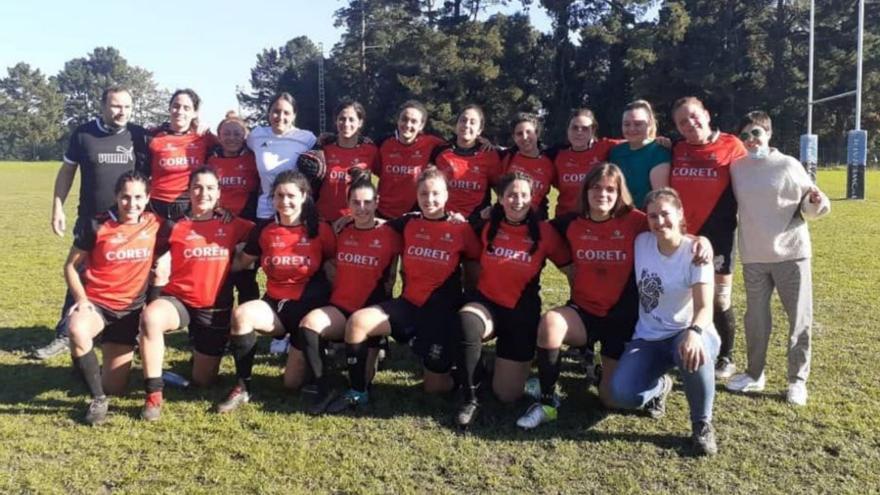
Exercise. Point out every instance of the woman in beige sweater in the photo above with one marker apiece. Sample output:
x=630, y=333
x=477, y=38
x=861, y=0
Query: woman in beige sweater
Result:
x=775, y=198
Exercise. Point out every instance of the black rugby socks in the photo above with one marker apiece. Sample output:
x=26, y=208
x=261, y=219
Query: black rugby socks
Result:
x=725, y=323
x=470, y=350
x=356, y=357
x=91, y=372
x=311, y=348
x=244, y=348
x=548, y=373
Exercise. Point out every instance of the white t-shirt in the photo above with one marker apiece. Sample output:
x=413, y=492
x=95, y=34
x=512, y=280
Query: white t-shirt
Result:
x=275, y=154
x=666, y=304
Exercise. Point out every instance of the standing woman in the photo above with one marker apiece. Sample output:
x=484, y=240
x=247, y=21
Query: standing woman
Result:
x=528, y=157
x=675, y=322
x=277, y=148
x=507, y=303
x=365, y=251
x=116, y=248
x=402, y=158
x=433, y=250
x=700, y=173
x=603, y=294
x=643, y=161
x=239, y=189
x=470, y=167
x=776, y=197
x=348, y=150
x=201, y=246
x=584, y=151
x=177, y=148
x=292, y=250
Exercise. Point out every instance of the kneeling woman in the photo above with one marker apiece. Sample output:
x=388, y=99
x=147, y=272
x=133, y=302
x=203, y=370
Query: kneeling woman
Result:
x=365, y=251
x=433, y=250
x=507, y=304
x=117, y=248
x=201, y=246
x=292, y=250
x=675, y=321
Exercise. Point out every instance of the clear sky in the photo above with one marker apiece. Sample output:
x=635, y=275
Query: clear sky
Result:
x=209, y=46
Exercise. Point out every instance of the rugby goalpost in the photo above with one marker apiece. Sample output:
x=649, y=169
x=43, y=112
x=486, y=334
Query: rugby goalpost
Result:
x=856, y=139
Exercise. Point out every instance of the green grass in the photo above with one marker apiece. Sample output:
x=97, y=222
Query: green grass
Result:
x=405, y=441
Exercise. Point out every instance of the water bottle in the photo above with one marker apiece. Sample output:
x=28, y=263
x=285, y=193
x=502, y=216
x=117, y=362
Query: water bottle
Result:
x=173, y=379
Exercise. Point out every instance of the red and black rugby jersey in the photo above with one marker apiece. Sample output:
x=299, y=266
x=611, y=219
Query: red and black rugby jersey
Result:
x=701, y=175
x=120, y=257
x=432, y=253
x=239, y=181
x=332, y=201
x=470, y=174
x=571, y=169
x=398, y=169
x=363, y=258
x=172, y=158
x=540, y=169
x=508, y=270
x=201, y=256
x=289, y=257
x=602, y=254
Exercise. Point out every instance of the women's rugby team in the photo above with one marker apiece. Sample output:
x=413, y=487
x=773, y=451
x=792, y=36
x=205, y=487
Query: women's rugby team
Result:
x=643, y=229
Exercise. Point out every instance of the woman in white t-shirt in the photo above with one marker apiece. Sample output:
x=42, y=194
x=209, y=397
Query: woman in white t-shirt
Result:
x=277, y=148
x=675, y=322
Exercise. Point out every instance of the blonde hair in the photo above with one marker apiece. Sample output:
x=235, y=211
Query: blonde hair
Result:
x=644, y=105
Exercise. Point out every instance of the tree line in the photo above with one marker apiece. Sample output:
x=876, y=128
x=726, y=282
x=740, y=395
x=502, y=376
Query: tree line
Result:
x=736, y=56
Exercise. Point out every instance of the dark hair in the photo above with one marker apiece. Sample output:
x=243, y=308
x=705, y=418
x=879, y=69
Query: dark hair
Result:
x=202, y=170
x=360, y=178
x=131, y=176
x=671, y=195
x=758, y=118
x=354, y=105
x=496, y=215
x=105, y=95
x=584, y=112
x=476, y=108
x=309, y=214
x=624, y=203
x=188, y=92
x=521, y=117
x=416, y=105
x=284, y=95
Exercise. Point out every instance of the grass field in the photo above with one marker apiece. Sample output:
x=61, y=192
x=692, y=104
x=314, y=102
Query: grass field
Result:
x=405, y=441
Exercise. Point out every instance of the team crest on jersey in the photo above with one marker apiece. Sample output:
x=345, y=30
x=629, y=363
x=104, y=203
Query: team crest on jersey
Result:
x=711, y=156
x=303, y=241
x=589, y=236
x=417, y=154
x=193, y=235
x=277, y=242
x=192, y=146
x=143, y=235
x=421, y=234
x=220, y=232
x=617, y=235
x=376, y=243
x=170, y=147
x=394, y=155
x=446, y=237
x=118, y=238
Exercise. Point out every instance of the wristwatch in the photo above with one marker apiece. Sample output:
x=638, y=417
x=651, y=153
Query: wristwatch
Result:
x=695, y=328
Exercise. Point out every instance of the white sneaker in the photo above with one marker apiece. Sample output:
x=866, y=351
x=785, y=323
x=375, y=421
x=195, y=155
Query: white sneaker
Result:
x=743, y=382
x=536, y=415
x=279, y=346
x=797, y=394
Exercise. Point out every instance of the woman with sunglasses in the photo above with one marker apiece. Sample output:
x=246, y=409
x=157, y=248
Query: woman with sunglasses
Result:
x=775, y=197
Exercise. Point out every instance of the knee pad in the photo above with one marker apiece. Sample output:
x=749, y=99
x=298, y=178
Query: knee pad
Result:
x=722, y=296
x=437, y=360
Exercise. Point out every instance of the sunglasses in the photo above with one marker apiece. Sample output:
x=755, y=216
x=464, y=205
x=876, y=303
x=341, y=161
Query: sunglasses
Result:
x=757, y=132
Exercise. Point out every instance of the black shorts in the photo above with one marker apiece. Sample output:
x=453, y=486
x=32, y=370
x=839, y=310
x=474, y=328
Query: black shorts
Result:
x=723, y=240
x=292, y=311
x=208, y=327
x=120, y=327
x=170, y=210
x=613, y=330
x=429, y=330
x=515, y=329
